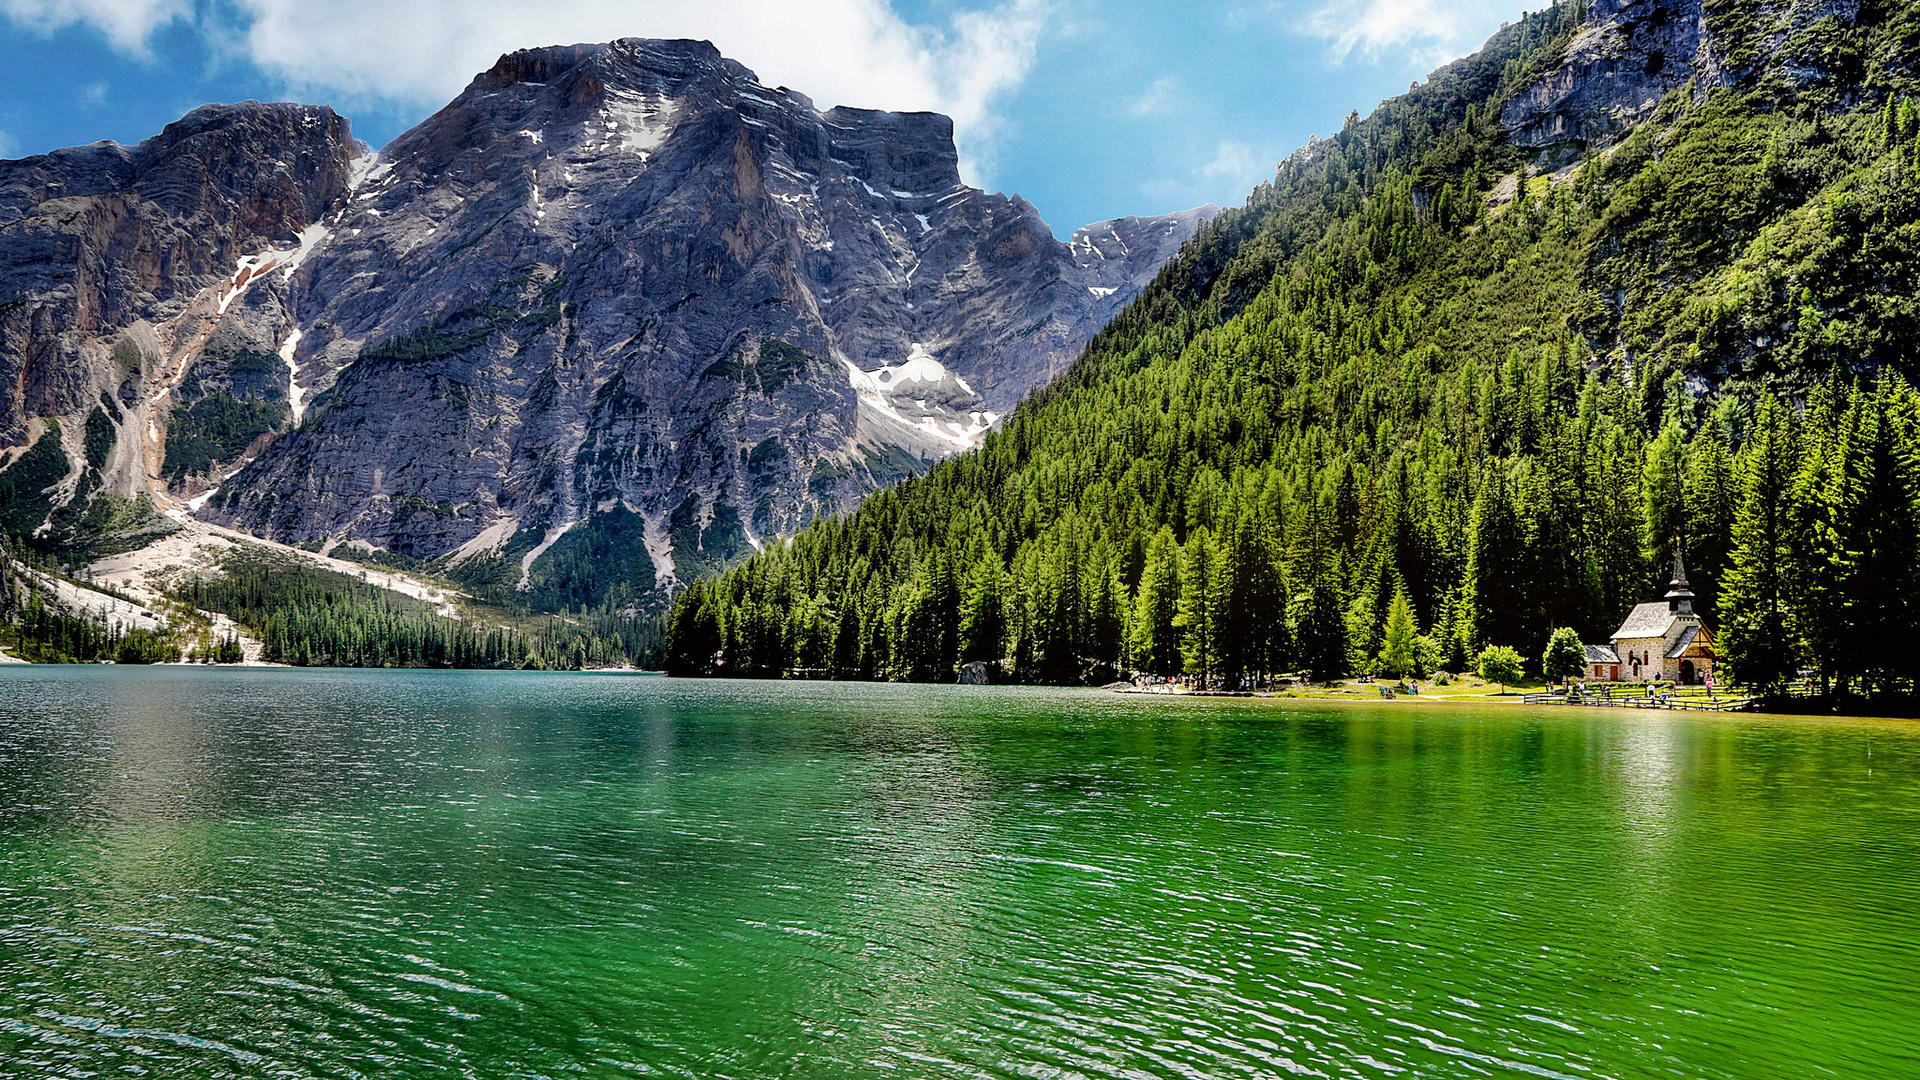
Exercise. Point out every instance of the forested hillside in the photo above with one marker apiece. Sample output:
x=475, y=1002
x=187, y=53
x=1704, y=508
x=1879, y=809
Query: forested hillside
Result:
x=311, y=617
x=1425, y=360
x=48, y=616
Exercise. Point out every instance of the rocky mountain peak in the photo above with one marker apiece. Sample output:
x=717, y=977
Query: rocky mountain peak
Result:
x=119, y=271
x=613, y=297
x=633, y=61
x=629, y=94
x=901, y=153
x=1131, y=250
x=278, y=167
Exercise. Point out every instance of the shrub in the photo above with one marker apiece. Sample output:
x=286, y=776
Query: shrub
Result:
x=1566, y=656
x=1501, y=665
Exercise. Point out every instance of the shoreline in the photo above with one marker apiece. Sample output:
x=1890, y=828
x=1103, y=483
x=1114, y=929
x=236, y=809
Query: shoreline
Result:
x=1516, y=699
x=1360, y=699
x=1269, y=698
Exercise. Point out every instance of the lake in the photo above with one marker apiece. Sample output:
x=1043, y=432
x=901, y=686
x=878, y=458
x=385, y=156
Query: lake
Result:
x=255, y=872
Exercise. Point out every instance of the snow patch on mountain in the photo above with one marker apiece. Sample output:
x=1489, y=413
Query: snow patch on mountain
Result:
x=920, y=396
x=637, y=122
x=310, y=237
x=295, y=395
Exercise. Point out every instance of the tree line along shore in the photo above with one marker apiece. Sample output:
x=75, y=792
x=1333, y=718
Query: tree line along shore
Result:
x=1416, y=377
x=1429, y=393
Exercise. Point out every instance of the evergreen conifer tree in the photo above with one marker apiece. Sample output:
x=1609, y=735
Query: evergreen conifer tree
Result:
x=1397, y=655
x=1154, y=637
x=1664, y=492
x=1710, y=497
x=1756, y=634
x=1200, y=596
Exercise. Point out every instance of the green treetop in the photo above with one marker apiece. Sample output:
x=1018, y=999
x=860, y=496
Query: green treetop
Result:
x=1566, y=655
x=1397, y=649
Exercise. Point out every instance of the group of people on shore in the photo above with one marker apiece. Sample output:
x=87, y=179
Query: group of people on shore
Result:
x=1657, y=692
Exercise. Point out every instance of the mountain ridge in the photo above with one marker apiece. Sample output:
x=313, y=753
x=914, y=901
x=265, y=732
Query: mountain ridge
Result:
x=602, y=278
x=1486, y=356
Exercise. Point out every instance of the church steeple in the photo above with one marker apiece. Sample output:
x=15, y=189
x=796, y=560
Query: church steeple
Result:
x=1679, y=596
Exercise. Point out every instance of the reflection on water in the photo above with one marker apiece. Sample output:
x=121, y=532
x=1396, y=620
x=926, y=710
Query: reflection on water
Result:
x=245, y=873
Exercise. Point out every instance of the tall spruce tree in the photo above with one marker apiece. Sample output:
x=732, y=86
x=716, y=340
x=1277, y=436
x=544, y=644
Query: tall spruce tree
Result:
x=1397, y=657
x=1881, y=538
x=1200, y=603
x=1250, y=597
x=1320, y=633
x=1822, y=565
x=1154, y=637
x=1756, y=629
x=1711, y=494
x=982, y=617
x=1664, y=491
x=1498, y=581
x=1105, y=623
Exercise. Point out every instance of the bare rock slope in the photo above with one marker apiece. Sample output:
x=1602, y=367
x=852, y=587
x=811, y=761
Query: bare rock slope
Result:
x=617, y=311
x=119, y=268
x=1631, y=53
x=627, y=292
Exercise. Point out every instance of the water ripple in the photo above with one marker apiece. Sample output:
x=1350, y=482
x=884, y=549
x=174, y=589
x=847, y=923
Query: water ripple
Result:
x=392, y=874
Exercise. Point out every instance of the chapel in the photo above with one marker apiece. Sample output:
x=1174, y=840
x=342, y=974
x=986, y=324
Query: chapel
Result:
x=1663, y=640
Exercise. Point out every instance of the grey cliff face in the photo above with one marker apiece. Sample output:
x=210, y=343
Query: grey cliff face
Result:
x=626, y=289
x=1127, y=252
x=612, y=299
x=1631, y=53
x=118, y=268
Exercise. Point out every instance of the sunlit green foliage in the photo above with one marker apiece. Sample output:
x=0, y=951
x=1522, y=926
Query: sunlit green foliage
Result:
x=1566, y=655
x=1500, y=665
x=307, y=616
x=1376, y=378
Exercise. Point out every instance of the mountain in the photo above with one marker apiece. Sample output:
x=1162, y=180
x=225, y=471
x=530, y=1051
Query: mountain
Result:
x=117, y=270
x=615, y=314
x=1636, y=275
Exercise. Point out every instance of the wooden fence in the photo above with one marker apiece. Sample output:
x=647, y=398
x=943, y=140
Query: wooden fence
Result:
x=1608, y=700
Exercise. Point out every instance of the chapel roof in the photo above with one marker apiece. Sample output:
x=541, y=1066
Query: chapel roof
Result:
x=1686, y=639
x=1602, y=654
x=1649, y=620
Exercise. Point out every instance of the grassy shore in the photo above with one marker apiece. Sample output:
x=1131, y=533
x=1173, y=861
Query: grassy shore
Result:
x=1468, y=688
x=1472, y=689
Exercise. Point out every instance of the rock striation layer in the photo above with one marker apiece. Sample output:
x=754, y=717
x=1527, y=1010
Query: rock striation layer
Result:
x=612, y=298
x=119, y=271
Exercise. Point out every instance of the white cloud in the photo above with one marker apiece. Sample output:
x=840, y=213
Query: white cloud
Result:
x=1233, y=161
x=94, y=93
x=1225, y=179
x=417, y=54
x=1156, y=100
x=8, y=147
x=1426, y=32
x=128, y=24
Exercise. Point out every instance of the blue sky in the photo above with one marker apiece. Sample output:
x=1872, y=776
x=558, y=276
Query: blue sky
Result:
x=1090, y=109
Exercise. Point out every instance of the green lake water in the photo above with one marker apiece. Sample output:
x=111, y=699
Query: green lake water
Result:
x=213, y=873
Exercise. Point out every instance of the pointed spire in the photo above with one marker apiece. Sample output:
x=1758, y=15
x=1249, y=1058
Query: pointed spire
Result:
x=1679, y=595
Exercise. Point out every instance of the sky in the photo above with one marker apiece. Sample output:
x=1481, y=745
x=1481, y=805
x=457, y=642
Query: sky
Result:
x=1091, y=109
